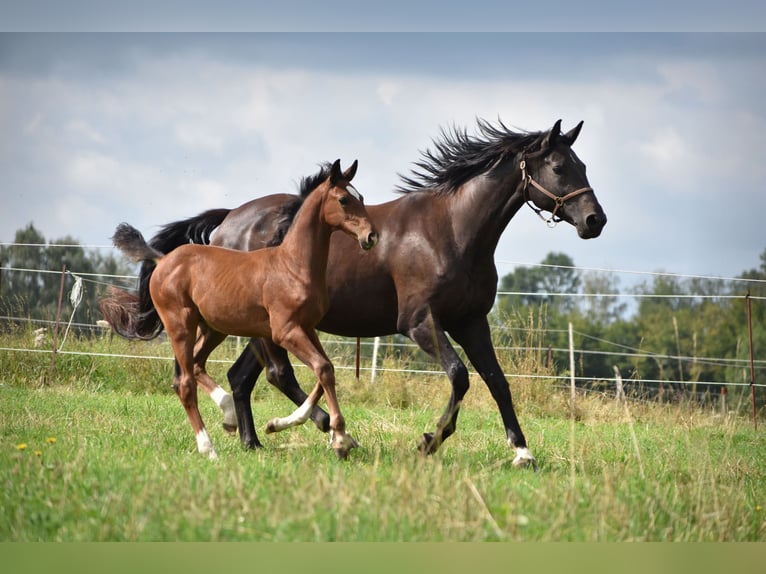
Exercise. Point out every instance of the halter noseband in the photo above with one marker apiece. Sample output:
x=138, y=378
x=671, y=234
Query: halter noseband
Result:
x=558, y=200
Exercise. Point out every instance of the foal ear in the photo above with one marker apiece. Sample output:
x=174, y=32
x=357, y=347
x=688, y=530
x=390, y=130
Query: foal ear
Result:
x=351, y=171
x=572, y=134
x=550, y=138
x=335, y=173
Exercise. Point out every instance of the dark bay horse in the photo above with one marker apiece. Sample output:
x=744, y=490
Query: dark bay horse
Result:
x=203, y=293
x=433, y=272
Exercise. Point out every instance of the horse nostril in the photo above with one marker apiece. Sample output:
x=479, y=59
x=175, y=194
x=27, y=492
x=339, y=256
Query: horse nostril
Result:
x=595, y=221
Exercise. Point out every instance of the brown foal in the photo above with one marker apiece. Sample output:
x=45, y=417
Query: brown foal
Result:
x=204, y=293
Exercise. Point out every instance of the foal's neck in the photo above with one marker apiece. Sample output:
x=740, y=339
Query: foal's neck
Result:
x=307, y=242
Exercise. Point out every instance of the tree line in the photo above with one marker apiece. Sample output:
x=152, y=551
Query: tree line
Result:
x=31, y=295
x=687, y=330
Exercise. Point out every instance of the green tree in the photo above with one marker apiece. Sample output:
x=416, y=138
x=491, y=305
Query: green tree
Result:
x=31, y=288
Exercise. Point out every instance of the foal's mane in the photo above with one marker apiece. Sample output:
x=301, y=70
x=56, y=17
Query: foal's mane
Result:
x=290, y=209
x=459, y=156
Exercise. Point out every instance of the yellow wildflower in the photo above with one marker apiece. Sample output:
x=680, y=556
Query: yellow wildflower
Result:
x=21, y=446
x=50, y=439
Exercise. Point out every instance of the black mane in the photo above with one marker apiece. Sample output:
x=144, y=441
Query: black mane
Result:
x=459, y=157
x=286, y=214
x=311, y=182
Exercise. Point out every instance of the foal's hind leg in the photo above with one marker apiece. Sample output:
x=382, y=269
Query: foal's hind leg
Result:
x=306, y=346
x=182, y=333
x=207, y=341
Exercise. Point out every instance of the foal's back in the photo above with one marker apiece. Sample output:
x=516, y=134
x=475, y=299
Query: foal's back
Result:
x=227, y=289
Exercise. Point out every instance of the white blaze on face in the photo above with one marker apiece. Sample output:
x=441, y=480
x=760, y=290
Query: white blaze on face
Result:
x=352, y=190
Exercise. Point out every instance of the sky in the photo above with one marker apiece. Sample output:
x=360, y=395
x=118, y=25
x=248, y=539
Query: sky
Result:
x=100, y=128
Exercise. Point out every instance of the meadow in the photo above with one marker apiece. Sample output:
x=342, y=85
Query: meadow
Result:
x=102, y=451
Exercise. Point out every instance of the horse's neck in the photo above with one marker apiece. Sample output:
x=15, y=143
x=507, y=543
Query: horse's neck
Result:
x=483, y=208
x=307, y=243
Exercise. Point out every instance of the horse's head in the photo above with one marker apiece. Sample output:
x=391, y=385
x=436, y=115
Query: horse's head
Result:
x=554, y=180
x=344, y=207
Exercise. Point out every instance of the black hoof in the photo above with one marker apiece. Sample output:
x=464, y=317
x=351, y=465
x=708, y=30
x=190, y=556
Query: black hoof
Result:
x=428, y=444
x=252, y=444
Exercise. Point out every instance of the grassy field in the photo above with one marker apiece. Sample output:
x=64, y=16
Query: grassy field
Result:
x=104, y=452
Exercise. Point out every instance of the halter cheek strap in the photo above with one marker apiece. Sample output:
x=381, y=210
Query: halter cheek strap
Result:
x=558, y=200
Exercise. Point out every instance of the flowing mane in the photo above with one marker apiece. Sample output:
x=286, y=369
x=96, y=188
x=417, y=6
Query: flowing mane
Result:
x=459, y=156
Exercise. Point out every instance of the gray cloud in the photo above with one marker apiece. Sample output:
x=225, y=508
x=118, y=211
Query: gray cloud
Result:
x=103, y=128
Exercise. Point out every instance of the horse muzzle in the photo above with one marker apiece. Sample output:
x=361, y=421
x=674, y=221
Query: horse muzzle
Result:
x=590, y=227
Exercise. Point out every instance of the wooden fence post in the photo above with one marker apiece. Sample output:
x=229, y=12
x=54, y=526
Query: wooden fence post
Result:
x=56, y=326
x=620, y=393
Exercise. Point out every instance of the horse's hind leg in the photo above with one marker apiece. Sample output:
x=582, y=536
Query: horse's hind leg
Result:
x=280, y=373
x=207, y=341
x=260, y=354
x=242, y=377
x=181, y=332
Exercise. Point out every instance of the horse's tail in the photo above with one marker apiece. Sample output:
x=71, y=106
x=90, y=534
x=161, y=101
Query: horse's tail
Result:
x=133, y=315
x=196, y=229
x=129, y=240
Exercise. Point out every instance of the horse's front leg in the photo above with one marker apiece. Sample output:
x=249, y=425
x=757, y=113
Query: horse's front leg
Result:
x=476, y=340
x=432, y=339
x=306, y=346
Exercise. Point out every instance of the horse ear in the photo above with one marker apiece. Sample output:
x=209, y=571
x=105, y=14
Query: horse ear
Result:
x=335, y=173
x=351, y=171
x=572, y=134
x=550, y=139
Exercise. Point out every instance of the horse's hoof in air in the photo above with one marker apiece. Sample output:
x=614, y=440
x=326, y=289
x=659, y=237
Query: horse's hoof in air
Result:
x=229, y=428
x=271, y=427
x=428, y=444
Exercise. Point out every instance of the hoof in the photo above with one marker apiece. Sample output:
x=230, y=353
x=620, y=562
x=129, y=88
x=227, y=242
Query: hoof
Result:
x=428, y=444
x=231, y=429
x=524, y=459
x=342, y=444
x=271, y=426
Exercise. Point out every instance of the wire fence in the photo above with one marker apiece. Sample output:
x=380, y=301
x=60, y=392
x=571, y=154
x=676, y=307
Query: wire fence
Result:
x=376, y=351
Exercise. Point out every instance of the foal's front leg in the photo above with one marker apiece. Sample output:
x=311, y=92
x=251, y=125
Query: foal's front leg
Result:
x=306, y=346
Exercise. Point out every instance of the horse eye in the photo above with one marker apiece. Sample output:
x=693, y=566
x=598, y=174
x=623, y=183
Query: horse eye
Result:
x=343, y=200
x=558, y=169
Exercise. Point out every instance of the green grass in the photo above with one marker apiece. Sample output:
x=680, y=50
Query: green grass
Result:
x=124, y=467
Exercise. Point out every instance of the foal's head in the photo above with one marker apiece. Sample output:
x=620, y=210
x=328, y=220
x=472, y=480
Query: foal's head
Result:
x=344, y=206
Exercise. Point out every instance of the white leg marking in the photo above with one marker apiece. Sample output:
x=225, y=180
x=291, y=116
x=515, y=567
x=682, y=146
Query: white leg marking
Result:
x=226, y=404
x=298, y=417
x=205, y=445
x=524, y=458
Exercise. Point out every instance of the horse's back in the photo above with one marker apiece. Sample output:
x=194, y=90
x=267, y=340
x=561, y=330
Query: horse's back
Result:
x=259, y=223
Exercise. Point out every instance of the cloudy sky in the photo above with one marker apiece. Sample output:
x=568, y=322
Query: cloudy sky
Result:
x=150, y=128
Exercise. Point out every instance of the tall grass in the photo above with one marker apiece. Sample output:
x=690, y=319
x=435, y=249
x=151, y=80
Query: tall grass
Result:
x=103, y=451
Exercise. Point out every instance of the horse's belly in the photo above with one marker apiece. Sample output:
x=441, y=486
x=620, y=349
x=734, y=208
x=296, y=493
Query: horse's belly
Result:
x=239, y=322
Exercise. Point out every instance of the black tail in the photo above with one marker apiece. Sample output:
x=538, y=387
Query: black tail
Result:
x=133, y=315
